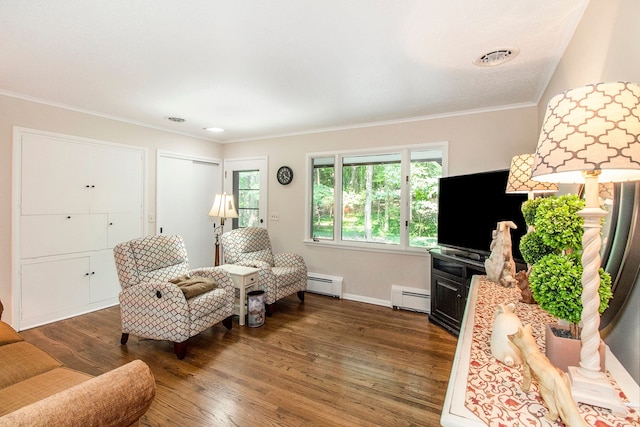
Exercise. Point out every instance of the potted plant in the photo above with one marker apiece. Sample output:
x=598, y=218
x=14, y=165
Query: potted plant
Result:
x=553, y=249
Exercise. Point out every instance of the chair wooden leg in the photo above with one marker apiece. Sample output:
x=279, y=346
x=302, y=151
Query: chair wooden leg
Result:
x=124, y=338
x=268, y=309
x=301, y=295
x=228, y=322
x=180, y=348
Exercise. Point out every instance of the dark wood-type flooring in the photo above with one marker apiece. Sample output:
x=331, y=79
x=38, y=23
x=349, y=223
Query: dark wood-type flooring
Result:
x=324, y=362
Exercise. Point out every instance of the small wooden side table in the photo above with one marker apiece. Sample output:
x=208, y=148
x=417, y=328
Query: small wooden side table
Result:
x=244, y=278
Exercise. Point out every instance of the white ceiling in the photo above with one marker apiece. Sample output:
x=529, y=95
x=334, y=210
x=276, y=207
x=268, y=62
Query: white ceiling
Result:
x=262, y=68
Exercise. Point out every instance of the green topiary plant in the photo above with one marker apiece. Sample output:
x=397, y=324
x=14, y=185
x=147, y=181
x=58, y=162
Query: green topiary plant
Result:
x=556, y=284
x=529, y=209
x=558, y=222
x=554, y=224
x=553, y=249
x=533, y=248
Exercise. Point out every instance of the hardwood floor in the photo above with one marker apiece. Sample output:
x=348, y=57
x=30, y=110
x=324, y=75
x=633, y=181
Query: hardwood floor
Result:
x=324, y=362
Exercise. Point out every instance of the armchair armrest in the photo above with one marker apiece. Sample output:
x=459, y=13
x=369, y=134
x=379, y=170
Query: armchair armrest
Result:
x=116, y=398
x=162, y=304
x=262, y=265
x=289, y=259
x=221, y=277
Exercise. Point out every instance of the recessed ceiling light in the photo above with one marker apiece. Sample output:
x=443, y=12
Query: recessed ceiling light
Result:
x=214, y=129
x=176, y=119
x=496, y=57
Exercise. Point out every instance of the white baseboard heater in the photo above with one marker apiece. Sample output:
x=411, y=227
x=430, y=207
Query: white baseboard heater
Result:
x=324, y=284
x=413, y=299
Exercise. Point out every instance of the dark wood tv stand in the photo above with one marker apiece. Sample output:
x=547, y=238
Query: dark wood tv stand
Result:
x=451, y=274
x=450, y=279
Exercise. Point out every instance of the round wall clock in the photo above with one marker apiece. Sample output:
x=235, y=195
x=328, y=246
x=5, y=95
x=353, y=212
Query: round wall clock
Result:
x=285, y=175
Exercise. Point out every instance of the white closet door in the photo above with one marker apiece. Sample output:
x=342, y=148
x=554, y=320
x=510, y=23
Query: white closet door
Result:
x=118, y=180
x=123, y=227
x=104, y=283
x=44, y=235
x=54, y=289
x=55, y=176
x=186, y=188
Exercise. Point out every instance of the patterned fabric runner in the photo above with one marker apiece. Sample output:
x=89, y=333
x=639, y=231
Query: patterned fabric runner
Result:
x=494, y=391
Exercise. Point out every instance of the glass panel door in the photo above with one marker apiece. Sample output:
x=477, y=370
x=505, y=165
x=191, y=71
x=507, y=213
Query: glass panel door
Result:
x=246, y=190
x=246, y=179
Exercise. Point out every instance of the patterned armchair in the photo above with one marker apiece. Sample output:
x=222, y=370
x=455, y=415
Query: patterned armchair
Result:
x=153, y=307
x=280, y=275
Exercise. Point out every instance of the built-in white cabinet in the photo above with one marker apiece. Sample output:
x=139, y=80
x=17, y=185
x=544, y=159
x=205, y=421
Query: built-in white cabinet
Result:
x=77, y=199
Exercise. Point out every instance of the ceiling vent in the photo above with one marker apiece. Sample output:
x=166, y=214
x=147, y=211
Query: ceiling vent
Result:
x=497, y=57
x=176, y=119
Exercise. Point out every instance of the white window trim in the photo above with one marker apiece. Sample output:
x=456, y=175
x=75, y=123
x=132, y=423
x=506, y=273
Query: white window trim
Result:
x=337, y=242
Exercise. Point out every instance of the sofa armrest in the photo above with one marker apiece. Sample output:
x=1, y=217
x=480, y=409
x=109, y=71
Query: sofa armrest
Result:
x=116, y=398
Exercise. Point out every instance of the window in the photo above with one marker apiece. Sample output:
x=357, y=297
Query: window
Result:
x=323, y=179
x=246, y=185
x=387, y=198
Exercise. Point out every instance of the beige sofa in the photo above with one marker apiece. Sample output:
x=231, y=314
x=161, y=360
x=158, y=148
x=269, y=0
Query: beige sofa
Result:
x=36, y=390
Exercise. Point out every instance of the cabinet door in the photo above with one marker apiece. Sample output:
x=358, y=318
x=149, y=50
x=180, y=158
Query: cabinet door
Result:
x=53, y=290
x=104, y=278
x=55, y=176
x=124, y=227
x=44, y=235
x=116, y=174
x=448, y=300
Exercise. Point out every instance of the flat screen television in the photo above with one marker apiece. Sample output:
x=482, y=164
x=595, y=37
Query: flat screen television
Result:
x=469, y=208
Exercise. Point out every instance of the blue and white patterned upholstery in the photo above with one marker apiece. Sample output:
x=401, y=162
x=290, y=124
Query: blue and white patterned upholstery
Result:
x=280, y=275
x=151, y=306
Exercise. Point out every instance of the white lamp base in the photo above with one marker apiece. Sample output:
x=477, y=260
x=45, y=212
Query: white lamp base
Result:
x=596, y=391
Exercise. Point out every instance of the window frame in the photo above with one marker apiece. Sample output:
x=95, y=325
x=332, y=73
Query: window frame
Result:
x=338, y=155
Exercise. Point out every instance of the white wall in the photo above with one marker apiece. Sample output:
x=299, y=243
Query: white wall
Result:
x=477, y=142
x=18, y=112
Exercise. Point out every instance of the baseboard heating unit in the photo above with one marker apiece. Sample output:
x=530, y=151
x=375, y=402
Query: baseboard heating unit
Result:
x=413, y=299
x=324, y=284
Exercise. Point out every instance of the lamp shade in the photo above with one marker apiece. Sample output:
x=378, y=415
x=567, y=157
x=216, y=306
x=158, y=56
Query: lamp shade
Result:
x=591, y=128
x=223, y=206
x=520, y=177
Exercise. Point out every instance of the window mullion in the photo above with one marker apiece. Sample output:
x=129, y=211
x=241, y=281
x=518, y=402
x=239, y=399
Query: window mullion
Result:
x=405, y=187
x=337, y=194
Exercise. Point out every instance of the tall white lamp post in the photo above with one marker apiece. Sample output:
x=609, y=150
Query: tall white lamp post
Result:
x=591, y=134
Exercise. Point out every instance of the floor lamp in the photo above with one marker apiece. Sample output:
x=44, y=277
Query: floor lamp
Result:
x=591, y=134
x=223, y=207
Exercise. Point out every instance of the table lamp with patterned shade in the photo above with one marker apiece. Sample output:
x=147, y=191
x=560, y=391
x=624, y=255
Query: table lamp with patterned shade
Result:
x=520, y=178
x=591, y=134
x=223, y=207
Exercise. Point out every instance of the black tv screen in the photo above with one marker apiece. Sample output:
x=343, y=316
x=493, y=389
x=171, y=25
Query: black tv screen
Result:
x=469, y=208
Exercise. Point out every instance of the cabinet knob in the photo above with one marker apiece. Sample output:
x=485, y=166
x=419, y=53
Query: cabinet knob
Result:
x=68, y=217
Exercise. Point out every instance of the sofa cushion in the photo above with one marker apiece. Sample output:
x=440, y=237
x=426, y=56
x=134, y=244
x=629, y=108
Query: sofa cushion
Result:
x=22, y=360
x=8, y=335
x=38, y=387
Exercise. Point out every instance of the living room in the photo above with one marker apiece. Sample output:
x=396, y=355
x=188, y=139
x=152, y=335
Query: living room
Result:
x=602, y=49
